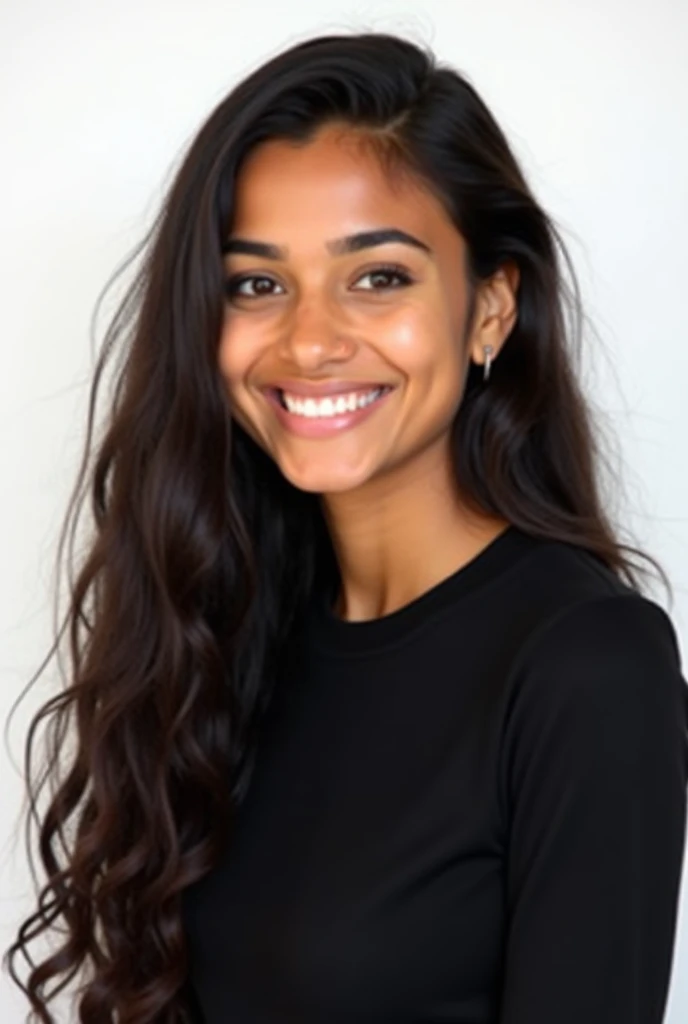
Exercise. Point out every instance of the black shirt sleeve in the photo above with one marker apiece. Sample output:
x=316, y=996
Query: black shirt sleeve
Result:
x=595, y=772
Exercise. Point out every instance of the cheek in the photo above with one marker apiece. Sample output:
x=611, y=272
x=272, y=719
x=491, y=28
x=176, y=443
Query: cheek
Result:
x=235, y=355
x=238, y=349
x=426, y=346
x=237, y=352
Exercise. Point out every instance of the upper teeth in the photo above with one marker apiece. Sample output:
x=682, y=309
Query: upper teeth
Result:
x=330, y=406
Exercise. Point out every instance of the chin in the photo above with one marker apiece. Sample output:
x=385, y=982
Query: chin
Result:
x=324, y=481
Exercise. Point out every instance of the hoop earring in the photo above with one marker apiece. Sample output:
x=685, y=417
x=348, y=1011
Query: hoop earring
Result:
x=488, y=350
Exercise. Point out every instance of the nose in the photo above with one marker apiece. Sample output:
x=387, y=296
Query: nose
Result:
x=315, y=335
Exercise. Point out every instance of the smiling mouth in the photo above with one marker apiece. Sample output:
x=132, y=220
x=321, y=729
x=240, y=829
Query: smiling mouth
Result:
x=372, y=394
x=310, y=420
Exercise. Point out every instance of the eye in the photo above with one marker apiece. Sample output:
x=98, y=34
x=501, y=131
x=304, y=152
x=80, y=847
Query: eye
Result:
x=386, y=271
x=233, y=284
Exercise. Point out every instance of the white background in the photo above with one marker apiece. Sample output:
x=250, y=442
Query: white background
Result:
x=99, y=100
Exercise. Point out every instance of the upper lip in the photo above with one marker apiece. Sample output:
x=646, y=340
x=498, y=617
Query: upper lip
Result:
x=327, y=387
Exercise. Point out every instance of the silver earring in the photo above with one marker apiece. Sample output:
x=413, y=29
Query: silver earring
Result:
x=488, y=350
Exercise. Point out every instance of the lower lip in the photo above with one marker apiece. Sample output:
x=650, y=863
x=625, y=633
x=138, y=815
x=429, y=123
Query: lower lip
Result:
x=323, y=426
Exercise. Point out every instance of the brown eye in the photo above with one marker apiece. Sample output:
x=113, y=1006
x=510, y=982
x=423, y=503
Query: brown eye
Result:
x=384, y=273
x=234, y=284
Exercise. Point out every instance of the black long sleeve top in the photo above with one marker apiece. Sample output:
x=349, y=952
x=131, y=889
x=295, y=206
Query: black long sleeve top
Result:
x=469, y=811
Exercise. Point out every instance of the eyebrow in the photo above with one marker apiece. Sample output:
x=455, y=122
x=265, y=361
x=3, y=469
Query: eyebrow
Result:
x=336, y=247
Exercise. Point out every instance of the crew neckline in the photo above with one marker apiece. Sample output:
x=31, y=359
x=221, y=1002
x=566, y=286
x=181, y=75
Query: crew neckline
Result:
x=341, y=637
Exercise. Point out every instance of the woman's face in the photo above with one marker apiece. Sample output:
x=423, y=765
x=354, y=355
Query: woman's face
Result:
x=312, y=311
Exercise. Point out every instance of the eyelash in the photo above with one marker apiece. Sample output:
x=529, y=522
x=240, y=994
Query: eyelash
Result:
x=233, y=283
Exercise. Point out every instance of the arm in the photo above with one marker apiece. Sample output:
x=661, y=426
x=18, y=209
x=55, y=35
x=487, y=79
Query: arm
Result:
x=594, y=776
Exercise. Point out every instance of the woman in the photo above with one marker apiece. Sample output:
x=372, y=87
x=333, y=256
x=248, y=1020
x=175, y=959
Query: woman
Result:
x=372, y=720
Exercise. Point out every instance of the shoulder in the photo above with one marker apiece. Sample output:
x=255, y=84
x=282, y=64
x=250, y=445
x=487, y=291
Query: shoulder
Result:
x=600, y=674
x=566, y=619
x=622, y=630
x=562, y=596
x=563, y=574
x=596, y=718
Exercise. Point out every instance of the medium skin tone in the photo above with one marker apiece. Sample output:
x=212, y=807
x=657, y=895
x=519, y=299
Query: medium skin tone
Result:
x=388, y=490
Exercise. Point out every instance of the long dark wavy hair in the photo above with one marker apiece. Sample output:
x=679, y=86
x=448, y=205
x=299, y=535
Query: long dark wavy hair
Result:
x=201, y=555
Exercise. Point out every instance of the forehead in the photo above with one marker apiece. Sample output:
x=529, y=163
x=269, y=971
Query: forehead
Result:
x=329, y=185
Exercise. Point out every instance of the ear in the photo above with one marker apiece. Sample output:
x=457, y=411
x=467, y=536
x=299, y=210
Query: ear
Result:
x=496, y=311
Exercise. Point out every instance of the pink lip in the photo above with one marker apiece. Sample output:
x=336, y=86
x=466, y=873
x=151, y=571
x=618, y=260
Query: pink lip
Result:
x=303, y=426
x=329, y=387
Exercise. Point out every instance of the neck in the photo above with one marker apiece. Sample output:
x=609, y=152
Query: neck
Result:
x=401, y=534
